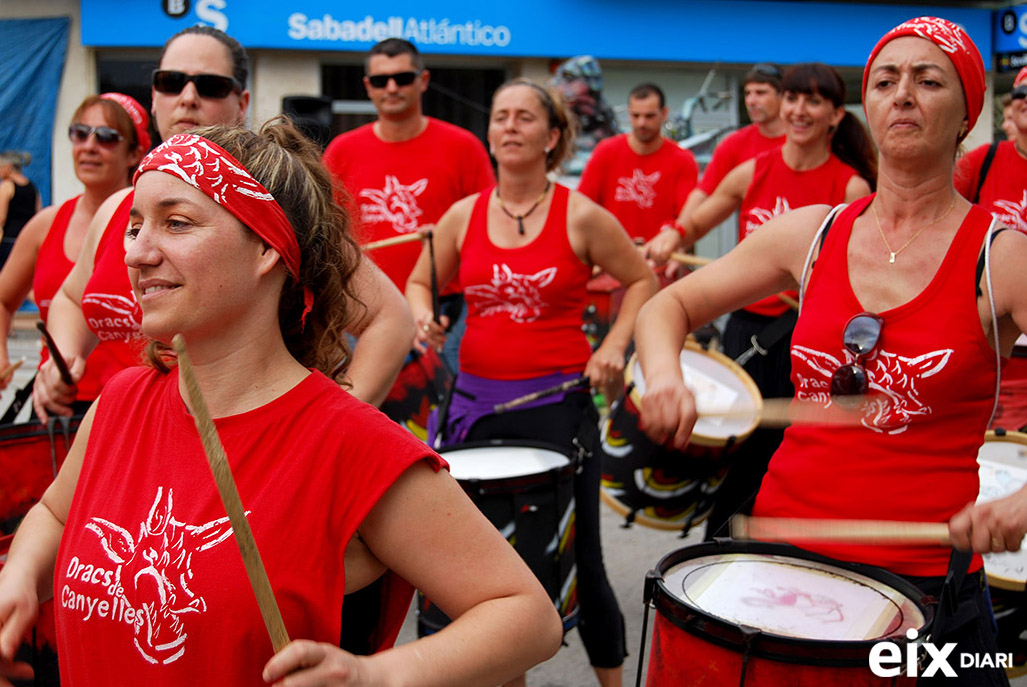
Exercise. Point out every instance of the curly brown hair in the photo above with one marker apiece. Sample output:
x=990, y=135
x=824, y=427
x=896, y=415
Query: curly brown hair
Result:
x=289, y=166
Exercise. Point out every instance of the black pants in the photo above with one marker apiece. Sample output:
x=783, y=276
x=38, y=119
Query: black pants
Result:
x=749, y=461
x=600, y=622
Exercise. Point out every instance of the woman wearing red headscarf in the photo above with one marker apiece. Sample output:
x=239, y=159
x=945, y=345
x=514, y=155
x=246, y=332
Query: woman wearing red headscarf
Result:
x=892, y=307
x=109, y=135
x=132, y=538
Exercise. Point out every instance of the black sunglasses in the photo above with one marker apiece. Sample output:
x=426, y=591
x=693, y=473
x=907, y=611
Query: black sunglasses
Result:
x=105, y=136
x=207, y=85
x=1019, y=92
x=861, y=336
x=382, y=80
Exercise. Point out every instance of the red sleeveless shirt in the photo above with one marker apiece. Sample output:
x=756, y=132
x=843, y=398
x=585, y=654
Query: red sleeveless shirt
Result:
x=775, y=189
x=524, y=305
x=52, y=266
x=108, y=303
x=914, y=456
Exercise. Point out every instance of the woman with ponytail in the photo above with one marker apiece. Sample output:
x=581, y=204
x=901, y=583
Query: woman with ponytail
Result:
x=827, y=158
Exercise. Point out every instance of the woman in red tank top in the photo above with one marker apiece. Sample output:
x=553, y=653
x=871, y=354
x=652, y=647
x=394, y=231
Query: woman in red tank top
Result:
x=826, y=158
x=247, y=260
x=106, y=147
x=889, y=311
x=524, y=251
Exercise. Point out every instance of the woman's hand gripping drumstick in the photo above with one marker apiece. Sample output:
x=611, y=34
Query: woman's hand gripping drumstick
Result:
x=233, y=504
x=8, y=372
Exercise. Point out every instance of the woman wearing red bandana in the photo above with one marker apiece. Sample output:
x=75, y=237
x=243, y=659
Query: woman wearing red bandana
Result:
x=910, y=297
x=235, y=243
x=96, y=304
x=109, y=135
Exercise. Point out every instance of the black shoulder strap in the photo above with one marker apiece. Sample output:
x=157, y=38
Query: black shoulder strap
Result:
x=980, y=262
x=983, y=174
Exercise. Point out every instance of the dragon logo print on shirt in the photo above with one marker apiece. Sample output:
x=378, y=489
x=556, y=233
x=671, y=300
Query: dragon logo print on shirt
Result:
x=149, y=584
x=516, y=295
x=1011, y=213
x=396, y=204
x=113, y=317
x=639, y=188
x=893, y=380
x=760, y=216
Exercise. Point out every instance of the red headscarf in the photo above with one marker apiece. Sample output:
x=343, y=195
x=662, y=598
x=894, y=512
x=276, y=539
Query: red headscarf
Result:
x=208, y=167
x=136, y=112
x=956, y=44
x=1021, y=78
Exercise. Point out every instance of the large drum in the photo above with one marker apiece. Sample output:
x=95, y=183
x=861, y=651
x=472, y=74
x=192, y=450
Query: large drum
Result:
x=422, y=384
x=526, y=490
x=752, y=613
x=1003, y=470
x=665, y=488
x=30, y=454
x=40, y=649
x=1012, y=395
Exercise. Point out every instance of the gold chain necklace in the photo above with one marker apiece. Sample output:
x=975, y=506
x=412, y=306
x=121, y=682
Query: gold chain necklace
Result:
x=893, y=253
x=520, y=217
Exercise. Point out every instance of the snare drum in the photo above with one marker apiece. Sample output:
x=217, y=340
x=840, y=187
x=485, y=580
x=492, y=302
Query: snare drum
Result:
x=527, y=491
x=30, y=455
x=665, y=488
x=40, y=649
x=422, y=384
x=1003, y=470
x=752, y=613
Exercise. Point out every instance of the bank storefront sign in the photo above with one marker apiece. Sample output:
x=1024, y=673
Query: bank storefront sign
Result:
x=1011, y=38
x=735, y=31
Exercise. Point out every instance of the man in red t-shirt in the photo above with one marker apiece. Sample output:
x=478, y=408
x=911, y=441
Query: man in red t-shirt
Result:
x=762, y=88
x=641, y=177
x=1002, y=188
x=403, y=171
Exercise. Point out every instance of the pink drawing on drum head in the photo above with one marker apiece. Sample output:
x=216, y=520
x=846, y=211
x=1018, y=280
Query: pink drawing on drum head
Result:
x=818, y=606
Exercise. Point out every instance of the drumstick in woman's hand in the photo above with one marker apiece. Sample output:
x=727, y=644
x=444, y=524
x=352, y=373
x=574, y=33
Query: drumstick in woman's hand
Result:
x=781, y=412
x=9, y=371
x=233, y=504
x=58, y=359
x=795, y=530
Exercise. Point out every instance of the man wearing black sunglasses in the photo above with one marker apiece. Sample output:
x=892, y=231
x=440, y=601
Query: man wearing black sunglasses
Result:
x=404, y=170
x=995, y=175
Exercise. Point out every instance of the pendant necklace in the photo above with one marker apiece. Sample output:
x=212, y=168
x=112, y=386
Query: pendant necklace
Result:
x=520, y=218
x=893, y=253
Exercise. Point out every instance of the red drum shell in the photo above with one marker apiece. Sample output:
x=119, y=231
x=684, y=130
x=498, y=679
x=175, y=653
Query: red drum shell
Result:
x=690, y=646
x=27, y=466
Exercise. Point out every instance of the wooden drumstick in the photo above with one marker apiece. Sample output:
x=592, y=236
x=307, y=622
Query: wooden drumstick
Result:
x=9, y=371
x=394, y=241
x=884, y=532
x=58, y=359
x=782, y=412
x=233, y=504
x=699, y=261
x=528, y=398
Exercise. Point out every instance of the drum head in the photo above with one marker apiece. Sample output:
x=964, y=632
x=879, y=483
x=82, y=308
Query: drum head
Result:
x=719, y=384
x=1003, y=470
x=798, y=601
x=501, y=461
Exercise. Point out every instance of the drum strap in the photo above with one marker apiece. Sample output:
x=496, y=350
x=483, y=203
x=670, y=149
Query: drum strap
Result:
x=775, y=331
x=950, y=615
